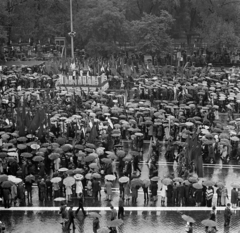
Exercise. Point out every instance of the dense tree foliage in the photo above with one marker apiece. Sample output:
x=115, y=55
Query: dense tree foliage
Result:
x=104, y=26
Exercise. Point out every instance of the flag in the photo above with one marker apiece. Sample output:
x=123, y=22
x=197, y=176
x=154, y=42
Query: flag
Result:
x=93, y=134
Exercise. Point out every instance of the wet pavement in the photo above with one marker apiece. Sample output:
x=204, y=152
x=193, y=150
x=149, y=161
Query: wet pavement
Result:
x=140, y=218
x=138, y=221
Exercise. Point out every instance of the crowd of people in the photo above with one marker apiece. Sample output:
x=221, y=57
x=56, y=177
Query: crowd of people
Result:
x=72, y=144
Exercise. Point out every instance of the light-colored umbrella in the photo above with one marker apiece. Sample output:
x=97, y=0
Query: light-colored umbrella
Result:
x=209, y=223
x=188, y=218
x=69, y=181
x=94, y=215
x=123, y=179
x=110, y=177
x=115, y=223
x=56, y=179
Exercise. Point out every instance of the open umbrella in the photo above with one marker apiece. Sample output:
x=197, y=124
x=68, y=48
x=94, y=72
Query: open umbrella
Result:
x=91, y=146
x=188, y=218
x=38, y=159
x=30, y=178
x=89, y=158
x=155, y=178
x=208, y=183
x=69, y=181
x=79, y=147
x=93, y=165
x=235, y=185
x=112, y=156
x=197, y=186
x=121, y=153
x=94, y=215
x=56, y=179
x=105, y=160
x=22, y=139
x=21, y=146
x=3, y=154
x=110, y=177
x=123, y=179
x=26, y=155
x=7, y=184
x=136, y=182
x=79, y=171
x=209, y=223
x=63, y=169
x=54, y=156
x=146, y=182
x=167, y=181
x=193, y=179
x=60, y=199
x=178, y=179
x=3, y=178
x=35, y=146
x=220, y=184
x=96, y=175
x=115, y=223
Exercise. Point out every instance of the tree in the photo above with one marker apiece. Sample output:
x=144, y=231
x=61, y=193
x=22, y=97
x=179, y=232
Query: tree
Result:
x=150, y=35
x=218, y=33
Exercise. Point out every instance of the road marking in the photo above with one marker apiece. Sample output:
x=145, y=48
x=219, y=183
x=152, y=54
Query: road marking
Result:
x=148, y=208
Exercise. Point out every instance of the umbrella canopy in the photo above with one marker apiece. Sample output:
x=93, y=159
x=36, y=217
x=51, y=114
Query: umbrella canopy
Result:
x=235, y=185
x=94, y=215
x=123, y=179
x=115, y=223
x=89, y=158
x=69, y=181
x=110, y=177
x=220, y=184
x=3, y=178
x=60, y=199
x=96, y=175
x=208, y=183
x=121, y=153
x=197, y=186
x=155, y=178
x=136, y=182
x=38, y=159
x=3, y=154
x=188, y=218
x=193, y=179
x=26, y=155
x=63, y=169
x=103, y=230
x=105, y=160
x=7, y=184
x=79, y=171
x=93, y=165
x=56, y=179
x=178, y=179
x=209, y=223
x=54, y=156
x=30, y=178
x=167, y=181
x=146, y=182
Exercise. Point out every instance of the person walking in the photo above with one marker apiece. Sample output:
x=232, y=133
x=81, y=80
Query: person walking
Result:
x=71, y=218
x=227, y=215
x=64, y=213
x=145, y=191
x=95, y=188
x=80, y=206
x=6, y=197
x=108, y=187
x=96, y=225
x=213, y=216
x=120, y=208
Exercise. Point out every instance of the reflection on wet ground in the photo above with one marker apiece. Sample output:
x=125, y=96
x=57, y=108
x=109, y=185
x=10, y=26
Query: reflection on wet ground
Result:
x=138, y=221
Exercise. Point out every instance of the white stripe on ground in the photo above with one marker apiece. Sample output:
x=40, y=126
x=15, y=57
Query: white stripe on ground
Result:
x=158, y=208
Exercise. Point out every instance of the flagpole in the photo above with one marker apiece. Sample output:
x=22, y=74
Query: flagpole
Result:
x=71, y=24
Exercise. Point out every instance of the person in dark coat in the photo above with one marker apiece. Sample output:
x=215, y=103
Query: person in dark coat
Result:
x=180, y=192
x=80, y=205
x=169, y=194
x=13, y=168
x=227, y=215
x=234, y=197
x=154, y=189
x=95, y=188
x=21, y=193
x=71, y=218
x=28, y=186
x=198, y=197
x=48, y=189
x=6, y=197
x=186, y=194
x=42, y=190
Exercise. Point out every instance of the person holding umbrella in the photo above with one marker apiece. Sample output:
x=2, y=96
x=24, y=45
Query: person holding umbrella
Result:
x=189, y=225
x=80, y=205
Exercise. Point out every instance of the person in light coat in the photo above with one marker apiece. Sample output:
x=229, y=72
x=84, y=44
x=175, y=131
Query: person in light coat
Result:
x=79, y=187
